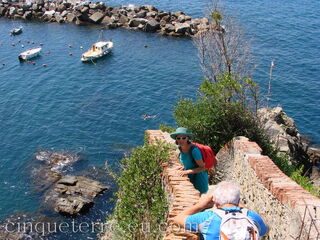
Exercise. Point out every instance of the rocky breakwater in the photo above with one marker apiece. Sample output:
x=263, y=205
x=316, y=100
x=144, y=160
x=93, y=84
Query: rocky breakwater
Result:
x=146, y=18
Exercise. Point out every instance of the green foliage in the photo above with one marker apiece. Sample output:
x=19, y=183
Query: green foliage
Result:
x=166, y=128
x=296, y=174
x=216, y=15
x=219, y=113
x=141, y=205
x=304, y=182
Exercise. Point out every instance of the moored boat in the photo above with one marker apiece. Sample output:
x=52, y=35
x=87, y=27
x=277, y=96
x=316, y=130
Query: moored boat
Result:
x=31, y=53
x=98, y=50
x=16, y=31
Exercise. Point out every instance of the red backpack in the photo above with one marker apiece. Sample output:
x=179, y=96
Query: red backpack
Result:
x=206, y=152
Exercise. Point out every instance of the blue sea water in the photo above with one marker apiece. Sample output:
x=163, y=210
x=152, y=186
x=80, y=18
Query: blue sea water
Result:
x=96, y=109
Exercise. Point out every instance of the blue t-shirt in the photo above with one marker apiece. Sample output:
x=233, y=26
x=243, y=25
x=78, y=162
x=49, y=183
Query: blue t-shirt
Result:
x=199, y=180
x=208, y=223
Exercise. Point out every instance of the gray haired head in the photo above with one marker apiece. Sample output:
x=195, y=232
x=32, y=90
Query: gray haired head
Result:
x=227, y=192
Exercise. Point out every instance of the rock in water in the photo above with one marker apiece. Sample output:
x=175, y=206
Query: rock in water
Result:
x=72, y=205
x=73, y=194
x=97, y=17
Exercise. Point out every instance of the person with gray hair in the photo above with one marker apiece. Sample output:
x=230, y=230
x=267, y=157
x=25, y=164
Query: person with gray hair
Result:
x=203, y=217
x=226, y=192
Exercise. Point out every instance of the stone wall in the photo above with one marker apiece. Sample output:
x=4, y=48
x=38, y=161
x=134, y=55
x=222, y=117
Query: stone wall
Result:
x=291, y=212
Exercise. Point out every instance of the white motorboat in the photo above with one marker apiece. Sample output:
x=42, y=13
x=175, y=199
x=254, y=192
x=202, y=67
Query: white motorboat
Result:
x=16, y=31
x=31, y=53
x=98, y=50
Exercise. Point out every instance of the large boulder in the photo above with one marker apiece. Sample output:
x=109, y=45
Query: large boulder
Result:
x=141, y=14
x=20, y=11
x=72, y=205
x=97, y=5
x=149, y=8
x=169, y=28
x=182, y=28
x=47, y=16
x=134, y=22
x=71, y=17
x=183, y=18
x=27, y=15
x=36, y=7
x=85, y=10
x=12, y=11
x=2, y=11
x=59, y=18
x=115, y=18
x=64, y=13
x=152, y=14
x=73, y=194
x=97, y=17
x=40, y=2
x=52, y=6
x=163, y=14
x=61, y=7
x=152, y=26
x=123, y=19
x=177, y=14
x=106, y=20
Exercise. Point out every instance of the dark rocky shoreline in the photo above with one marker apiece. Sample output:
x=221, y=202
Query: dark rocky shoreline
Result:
x=145, y=18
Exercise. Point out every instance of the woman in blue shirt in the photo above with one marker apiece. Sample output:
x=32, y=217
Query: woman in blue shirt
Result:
x=191, y=158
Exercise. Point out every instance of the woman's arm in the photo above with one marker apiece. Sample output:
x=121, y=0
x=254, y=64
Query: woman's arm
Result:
x=201, y=167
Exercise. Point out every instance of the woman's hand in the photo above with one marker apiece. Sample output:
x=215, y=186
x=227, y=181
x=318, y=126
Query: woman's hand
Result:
x=184, y=173
x=178, y=168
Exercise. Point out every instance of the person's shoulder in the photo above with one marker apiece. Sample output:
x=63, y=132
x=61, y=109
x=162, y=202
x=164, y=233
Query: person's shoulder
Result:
x=252, y=213
x=259, y=222
x=201, y=217
x=194, y=148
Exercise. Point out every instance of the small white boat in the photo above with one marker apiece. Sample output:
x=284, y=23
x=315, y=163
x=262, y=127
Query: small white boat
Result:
x=16, y=31
x=31, y=53
x=98, y=50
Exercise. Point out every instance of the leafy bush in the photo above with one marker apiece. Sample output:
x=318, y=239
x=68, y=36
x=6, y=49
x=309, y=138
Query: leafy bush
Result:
x=214, y=120
x=141, y=204
x=166, y=128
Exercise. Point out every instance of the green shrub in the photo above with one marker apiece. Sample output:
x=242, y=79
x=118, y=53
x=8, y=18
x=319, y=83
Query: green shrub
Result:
x=141, y=204
x=166, y=128
x=214, y=118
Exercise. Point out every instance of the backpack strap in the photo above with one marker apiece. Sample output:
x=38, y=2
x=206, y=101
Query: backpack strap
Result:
x=225, y=211
x=190, y=153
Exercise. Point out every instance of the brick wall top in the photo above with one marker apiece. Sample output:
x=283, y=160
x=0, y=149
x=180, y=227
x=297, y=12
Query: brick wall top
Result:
x=280, y=185
x=180, y=191
x=288, y=193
